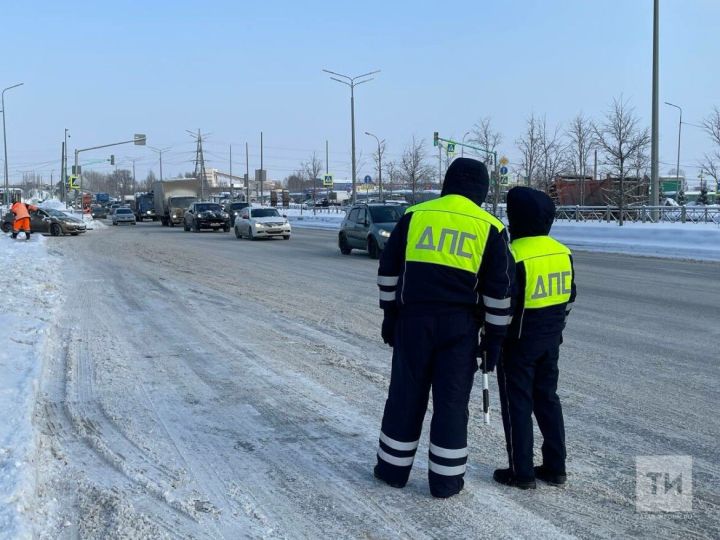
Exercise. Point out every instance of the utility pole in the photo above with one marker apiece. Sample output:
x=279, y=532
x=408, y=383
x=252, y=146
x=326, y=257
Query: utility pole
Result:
x=7, y=185
x=327, y=167
x=440, y=165
x=379, y=151
x=247, y=174
x=159, y=151
x=231, y=179
x=262, y=170
x=654, y=151
x=351, y=82
x=62, y=173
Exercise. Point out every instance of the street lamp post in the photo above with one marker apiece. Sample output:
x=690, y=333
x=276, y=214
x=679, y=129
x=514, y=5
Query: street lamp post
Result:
x=352, y=82
x=160, y=152
x=379, y=164
x=677, y=167
x=7, y=185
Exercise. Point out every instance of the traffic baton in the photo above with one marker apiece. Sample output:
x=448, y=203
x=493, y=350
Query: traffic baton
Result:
x=486, y=390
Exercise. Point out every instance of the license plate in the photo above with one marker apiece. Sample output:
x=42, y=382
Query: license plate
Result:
x=216, y=224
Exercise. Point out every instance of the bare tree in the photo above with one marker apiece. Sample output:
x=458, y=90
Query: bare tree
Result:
x=485, y=136
x=711, y=125
x=621, y=139
x=391, y=173
x=710, y=165
x=413, y=166
x=580, y=135
x=530, y=150
x=552, y=153
x=312, y=169
x=378, y=155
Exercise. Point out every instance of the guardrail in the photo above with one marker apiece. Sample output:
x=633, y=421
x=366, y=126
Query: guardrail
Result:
x=640, y=214
x=631, y=214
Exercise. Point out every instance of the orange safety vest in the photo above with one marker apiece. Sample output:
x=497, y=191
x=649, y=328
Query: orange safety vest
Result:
x=21, y=210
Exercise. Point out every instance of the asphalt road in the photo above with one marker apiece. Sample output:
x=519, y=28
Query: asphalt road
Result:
x=203, y=386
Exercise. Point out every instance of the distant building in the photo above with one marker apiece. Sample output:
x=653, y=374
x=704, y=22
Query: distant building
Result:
x=571, y=190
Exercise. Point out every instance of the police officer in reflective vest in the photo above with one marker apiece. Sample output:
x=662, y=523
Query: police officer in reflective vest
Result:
x=528, y=370
x=445, y=272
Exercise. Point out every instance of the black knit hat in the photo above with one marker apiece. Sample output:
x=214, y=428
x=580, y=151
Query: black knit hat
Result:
x=467, y=177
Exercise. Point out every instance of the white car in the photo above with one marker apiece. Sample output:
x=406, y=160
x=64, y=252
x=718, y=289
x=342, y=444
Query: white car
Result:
x=123, y=215
x=261, y=223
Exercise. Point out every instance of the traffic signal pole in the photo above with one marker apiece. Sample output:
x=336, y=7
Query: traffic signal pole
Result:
x=437, y=141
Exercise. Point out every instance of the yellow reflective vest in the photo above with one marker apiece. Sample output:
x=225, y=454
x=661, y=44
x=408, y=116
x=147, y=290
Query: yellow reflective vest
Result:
x=451, y=231
x=548, y=270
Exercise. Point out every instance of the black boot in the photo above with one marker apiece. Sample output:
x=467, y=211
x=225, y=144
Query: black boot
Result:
x=506, y=477
x=550, y=477
x=376, y=474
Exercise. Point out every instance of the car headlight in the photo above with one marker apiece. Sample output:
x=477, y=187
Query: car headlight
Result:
x=259, y=226
x=225, y=215
x=148, y=212
x=384, y=233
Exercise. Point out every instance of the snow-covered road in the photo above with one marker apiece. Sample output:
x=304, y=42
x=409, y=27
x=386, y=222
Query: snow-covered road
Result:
x=203, y=387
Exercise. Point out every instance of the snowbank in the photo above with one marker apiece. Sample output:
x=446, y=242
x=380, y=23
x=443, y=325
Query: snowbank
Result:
x=30, y=291
x=322, y=219
x=669, y=240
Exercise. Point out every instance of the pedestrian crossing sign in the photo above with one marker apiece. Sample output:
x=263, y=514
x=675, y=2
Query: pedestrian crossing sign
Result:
x=328, y=180
x=73, y=182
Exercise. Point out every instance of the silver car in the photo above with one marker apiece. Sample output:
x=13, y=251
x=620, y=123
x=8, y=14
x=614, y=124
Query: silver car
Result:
x=123, y=215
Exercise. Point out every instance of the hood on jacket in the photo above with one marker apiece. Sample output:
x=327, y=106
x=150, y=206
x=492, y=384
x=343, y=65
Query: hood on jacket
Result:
x=530, y=212
x=467, y=177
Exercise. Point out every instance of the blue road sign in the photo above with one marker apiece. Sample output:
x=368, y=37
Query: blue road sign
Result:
x=503, y=170
x=367, y=179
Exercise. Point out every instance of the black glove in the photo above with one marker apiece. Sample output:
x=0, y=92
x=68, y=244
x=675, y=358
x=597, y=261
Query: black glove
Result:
x=490, y=353
x=388, y=327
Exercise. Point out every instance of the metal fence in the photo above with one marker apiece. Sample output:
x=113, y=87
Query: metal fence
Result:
x=640, y=214
x=631, y=214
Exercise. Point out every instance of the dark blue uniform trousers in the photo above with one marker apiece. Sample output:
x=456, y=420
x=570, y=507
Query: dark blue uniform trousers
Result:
x=432, y=350
x=527, y=380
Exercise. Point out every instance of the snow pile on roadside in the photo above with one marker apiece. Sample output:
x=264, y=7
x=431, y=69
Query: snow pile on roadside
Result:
x=30, y=293
x=669, y=240
x=322, y=219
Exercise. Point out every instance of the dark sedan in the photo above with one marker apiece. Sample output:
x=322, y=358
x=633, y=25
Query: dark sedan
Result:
x=206, y=215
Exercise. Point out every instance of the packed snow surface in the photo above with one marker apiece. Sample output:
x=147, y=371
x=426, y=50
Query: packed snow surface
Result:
x=30, y=294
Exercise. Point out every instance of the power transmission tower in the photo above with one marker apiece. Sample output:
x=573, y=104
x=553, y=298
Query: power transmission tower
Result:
x=199, y=162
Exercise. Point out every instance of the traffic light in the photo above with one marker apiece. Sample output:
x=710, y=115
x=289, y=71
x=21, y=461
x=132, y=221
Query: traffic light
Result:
x=112, y=159
x=435, y=138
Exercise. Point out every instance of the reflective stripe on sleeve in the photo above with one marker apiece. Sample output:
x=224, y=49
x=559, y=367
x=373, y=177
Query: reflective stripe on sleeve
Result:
x=389, y=281
x=448, y=453
x=392, y=460
x=498, y=320
x=446, y=471
x=387, y=296
x=568, y=306
x=398, y=445
x=498, y=303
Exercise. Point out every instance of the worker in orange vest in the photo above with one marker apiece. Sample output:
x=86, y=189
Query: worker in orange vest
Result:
x=21, y=211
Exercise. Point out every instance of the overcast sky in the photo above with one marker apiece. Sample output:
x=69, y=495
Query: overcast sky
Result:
x=107, y=70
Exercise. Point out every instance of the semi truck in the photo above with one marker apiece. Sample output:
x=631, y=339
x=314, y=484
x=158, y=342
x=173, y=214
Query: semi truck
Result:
x=172, y=197
x=145, y=206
